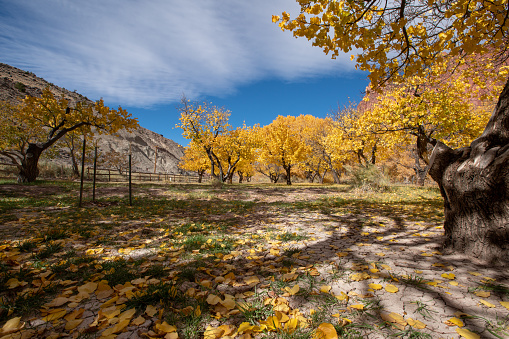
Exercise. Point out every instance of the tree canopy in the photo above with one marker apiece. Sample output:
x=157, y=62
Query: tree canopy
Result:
x=400, y=38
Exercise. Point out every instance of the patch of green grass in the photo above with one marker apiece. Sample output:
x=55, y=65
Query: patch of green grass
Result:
x=255, y=310
x=27, y=246
x=423, y=309
x=498, y=289
x=48, y=251
x=411, y=333
x=194, y=242
x=191, y=327
x=20, y=304
x=154, y=294
x=118, y=272
x=287, y=236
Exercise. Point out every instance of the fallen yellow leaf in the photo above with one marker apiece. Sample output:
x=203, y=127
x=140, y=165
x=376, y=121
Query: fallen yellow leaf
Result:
x=165, y=327
x=467, y=334
x=12, y=325
x=505, y=304
x=325, y=289
x=293, y=290
x=487, y=303
x=375, y=287
x=391, y=288
x=449, y=276
x=325, y=331
x=138, y=321
x=151, y=310
x=455, y=322
x=357, y=306
x=416, y=323
x=213, y=299
x=72, y=324
x=482, y=294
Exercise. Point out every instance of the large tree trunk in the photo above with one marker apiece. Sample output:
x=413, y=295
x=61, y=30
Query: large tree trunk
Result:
x=288, y=169
x=474, y=182
x=29, y=171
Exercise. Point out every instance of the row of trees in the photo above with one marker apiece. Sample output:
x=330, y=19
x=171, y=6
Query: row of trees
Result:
x=393, y=126
x=35, y=125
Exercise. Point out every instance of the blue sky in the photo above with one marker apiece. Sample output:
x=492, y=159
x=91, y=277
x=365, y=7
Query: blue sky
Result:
x=143, y=55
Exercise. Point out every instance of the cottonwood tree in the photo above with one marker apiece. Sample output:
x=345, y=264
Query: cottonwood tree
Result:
x=399, y=39
x=205, y=125
x=36, y=124
x=195, y=159
x=283, y=145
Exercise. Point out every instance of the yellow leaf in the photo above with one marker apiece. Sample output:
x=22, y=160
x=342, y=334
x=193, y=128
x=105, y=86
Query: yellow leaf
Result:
x=342, y=296
x=449, y=276
x=359, y=276
x=391, y=288
x=416, y=323
x=72, y=324
x=505, y=304
x=325, y=289
x=12, y=325
x=375, y=287
x=151, y=310
x=138, y=321
x=166, y=328
x=293, y=290
x=127, y=315
x=89, y=287
x=475, y=274
x=228, y=303
x=244, y=327
x=55, y=316
x=213, y=299
x=172, y=335
x=455, y=322
x=292, y=325
x=57, y=302
x=487, y=303
x=357, y=306
x=467, y=334
x=13, y=283
x=272, y=323
x=325, y=331
x=342, y=254
x=251, y=280
x=482, y=294
x=213, y=333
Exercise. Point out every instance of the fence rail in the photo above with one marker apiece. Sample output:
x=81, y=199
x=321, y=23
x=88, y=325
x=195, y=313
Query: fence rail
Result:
x=114, y=175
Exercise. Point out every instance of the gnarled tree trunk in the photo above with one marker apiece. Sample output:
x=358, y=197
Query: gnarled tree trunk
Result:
x=29, y=171
x=474, y=182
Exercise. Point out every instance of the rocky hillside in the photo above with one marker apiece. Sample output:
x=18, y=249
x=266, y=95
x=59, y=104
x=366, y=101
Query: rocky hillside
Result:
x=15, y=84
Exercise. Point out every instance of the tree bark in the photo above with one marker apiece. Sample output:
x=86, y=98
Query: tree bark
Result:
x=474, y=182
x=29, y=171
x=288, y=169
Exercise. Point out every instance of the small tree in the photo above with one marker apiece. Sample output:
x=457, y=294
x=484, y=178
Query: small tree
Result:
x=30, y=128
x=283, y=145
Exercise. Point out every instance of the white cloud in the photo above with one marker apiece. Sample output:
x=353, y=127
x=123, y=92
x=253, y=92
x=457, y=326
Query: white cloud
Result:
x=141, y=53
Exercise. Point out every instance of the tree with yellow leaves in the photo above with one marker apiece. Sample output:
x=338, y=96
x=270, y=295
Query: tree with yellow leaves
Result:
x=36, y=124
x=427, y=107
x=400, y=39
x=195, y=159
x=283, y=144
x=205, y=125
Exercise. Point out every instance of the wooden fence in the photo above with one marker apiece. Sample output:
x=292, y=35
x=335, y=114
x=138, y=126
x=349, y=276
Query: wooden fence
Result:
x=110, y=175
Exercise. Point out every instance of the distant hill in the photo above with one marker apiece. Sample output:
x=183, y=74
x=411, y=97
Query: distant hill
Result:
x=15, y=84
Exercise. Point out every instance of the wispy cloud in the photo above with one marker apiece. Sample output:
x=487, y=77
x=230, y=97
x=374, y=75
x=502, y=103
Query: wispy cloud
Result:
x=141, y=53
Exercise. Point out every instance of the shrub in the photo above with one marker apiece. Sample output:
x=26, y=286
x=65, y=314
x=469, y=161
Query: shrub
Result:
x=370, y=179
